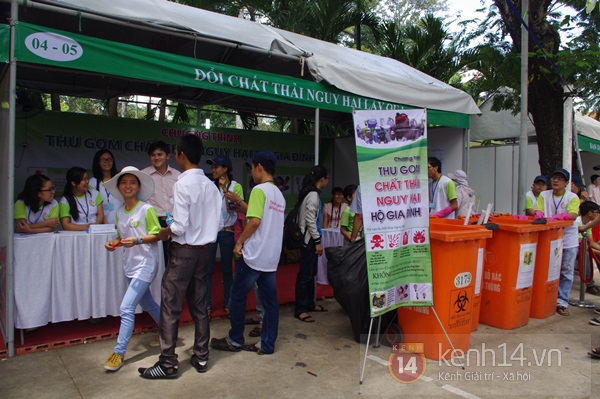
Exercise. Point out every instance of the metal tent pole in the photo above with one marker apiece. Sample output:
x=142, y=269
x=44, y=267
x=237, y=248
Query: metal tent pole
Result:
x=523, y=140
x=317, y=134
x=10, y=184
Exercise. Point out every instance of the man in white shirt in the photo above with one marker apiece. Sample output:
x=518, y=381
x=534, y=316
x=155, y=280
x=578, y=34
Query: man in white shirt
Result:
x=196, y=222
x=594, y=189
x=164, y=178
x=442, y=191
x=559, y=203
x=259, y=247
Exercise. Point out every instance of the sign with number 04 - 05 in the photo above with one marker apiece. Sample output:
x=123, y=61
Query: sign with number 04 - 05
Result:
x=407, y=367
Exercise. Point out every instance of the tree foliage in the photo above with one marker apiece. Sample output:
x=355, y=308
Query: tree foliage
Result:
x=579, y=61
x=553, y=66
x=408, y=12
x=424, y=45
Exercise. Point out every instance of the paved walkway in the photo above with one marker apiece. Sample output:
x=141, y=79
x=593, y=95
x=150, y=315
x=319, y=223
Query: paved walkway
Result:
x=546, y=358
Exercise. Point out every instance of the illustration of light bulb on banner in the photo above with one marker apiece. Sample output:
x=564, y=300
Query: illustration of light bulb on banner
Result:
x=391, y=148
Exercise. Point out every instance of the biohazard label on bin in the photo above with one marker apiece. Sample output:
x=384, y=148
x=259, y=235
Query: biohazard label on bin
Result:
x=461, y=305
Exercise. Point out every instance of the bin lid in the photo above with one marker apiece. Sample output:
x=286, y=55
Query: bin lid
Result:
x=560, y=224
x=450, y=233
x=520, y=226
x=551, y=225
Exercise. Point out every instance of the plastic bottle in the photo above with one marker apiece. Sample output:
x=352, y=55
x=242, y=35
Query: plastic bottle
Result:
x=169, y=218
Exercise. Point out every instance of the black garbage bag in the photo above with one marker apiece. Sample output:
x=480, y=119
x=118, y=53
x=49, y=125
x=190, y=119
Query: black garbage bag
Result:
x=347, y=274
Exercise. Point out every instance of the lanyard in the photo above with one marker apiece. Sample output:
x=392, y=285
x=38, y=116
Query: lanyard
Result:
x=435, y=188
x=87, y=206
x=336, y=216
x=557, y=205
x=107, y=195
x=41, y=213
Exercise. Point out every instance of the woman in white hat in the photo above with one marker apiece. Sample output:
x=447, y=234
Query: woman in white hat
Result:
x=138, y=226
x=464, y=194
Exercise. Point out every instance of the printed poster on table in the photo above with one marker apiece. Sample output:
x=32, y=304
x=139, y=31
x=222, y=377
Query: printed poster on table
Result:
x=391, y=148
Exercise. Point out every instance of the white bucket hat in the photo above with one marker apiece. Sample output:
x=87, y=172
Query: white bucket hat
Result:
x=459, y=176
x=146, y=184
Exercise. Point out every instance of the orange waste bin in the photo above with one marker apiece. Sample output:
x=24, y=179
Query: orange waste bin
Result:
x=454, y=265
x=547, y=270
x=480, y=260
x=508, y=273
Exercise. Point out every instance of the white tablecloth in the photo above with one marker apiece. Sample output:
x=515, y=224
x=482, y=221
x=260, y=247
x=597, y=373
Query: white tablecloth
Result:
x=330, y=238
x=69, y=275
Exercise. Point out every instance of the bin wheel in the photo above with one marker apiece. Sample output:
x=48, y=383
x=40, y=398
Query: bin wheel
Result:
x=392, y=335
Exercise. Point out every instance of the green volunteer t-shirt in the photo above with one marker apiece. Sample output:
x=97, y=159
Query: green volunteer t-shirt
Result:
x=347, y=219
x=451, y=190
x=256, y=205
x=48, y=211
x=529, y=203
x=91, y=207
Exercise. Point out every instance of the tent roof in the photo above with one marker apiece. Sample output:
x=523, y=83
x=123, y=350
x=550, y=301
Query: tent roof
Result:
x=495, y=125
x=588, y=127
x=170, y=27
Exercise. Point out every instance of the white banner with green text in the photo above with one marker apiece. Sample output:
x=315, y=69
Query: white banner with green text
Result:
x=52, y=142
x=391, y=147
x=46, y=46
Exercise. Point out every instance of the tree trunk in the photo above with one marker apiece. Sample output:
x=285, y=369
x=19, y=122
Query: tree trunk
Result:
x=545, y=88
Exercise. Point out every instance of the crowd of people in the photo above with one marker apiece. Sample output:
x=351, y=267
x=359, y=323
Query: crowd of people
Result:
x=194, y=215
x=560, y=197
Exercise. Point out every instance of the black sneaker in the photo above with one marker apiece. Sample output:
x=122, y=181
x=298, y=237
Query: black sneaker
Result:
x=593, y=290
x=201, y=368
x=158, y=371
x=595, y=321
x=223, y=344
x=597, y=310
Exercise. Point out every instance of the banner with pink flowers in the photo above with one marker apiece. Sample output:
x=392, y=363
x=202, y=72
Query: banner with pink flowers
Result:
x=391, y=148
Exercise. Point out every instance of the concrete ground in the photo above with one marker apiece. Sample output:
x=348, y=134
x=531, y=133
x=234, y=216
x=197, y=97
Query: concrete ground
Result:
x=545, y=359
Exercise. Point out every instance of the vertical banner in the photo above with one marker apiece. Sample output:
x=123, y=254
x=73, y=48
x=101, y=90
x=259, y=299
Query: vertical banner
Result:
x=391, y=148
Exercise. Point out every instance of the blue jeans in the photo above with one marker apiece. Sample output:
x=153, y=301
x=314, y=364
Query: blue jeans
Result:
x=138, y=293
x=566, y=276
x=305, y=282
x=260, y=311
x=226, y=242
x=244, y=280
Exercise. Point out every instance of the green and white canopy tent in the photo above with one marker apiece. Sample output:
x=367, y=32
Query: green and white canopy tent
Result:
x=104, y=49
x=156, y=47
x=496, y=125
